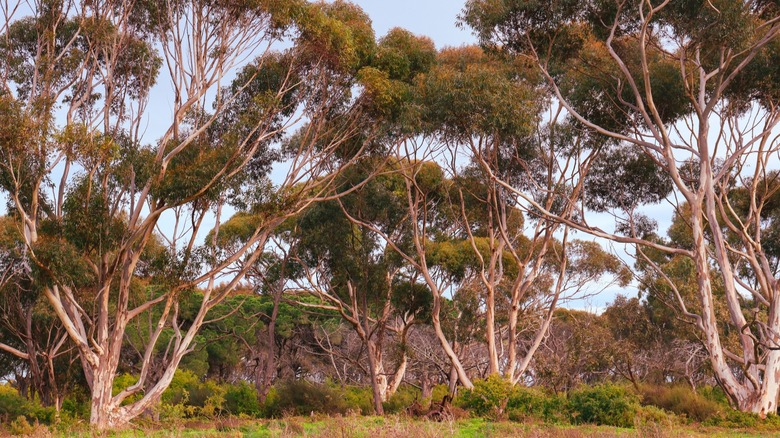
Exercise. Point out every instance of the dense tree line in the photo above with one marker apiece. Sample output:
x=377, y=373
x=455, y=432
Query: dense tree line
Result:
x=325, y=205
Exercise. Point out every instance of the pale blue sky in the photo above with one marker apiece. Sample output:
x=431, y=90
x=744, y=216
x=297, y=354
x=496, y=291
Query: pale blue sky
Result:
x=433, y=18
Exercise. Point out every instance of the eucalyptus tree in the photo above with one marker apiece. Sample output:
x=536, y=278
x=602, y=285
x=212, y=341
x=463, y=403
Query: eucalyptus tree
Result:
x=691, y=88
x=92, y=198
x=485, y=115
x=35, y=349
x=350, y=270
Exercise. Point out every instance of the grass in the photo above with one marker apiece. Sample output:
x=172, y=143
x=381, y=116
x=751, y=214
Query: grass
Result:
x=398, y=426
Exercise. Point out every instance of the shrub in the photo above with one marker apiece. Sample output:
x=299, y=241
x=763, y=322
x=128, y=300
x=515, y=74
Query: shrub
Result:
x=178, y=392
x=21, y=426
x=527, y=403
x=13, y=406
x=488, y=398
x=357, y=398
x=187, y=396
x=241, y=399
x=299, y=397
x=653, y=415
x=714, y=394
x=438, y=393
x=681, y=400
x=734, y=419
x=607, y=404
x=402, y=399
x=75, y=408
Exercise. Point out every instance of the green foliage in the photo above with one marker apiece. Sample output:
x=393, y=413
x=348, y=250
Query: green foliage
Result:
x=653, y=417
x=488, y=398
x=241, y=399
x=60, y=261
x=734, y=419
x=74, y=408
x=682, y=401
x=403, y=398
x=605, y=404
x=123, y=381
x=14, y=406
x=527, y=403
x=338, y=33
x=300, y=397
x=89, y=224
x=189, y=396
x=20, y=426
x=641, y=181
x=358, y=398
x=470, y=93
x=438, y=393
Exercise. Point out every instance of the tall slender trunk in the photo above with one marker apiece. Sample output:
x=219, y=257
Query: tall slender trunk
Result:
x=457, y=366
x=514, y=312
x=490, y=330
x=270, y=354
x=378, y=381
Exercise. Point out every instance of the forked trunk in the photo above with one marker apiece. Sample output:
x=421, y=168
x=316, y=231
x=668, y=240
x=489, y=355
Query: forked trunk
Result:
x=103, y=414
x=765, y=402
x=457, y=366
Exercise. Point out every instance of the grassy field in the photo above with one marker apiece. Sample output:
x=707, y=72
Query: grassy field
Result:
x=394, y=426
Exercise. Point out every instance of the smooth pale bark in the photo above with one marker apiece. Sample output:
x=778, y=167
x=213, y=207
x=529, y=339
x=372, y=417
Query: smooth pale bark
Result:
x=490, y=330
x=722, y=244
x=457, y=366
x=398, y=377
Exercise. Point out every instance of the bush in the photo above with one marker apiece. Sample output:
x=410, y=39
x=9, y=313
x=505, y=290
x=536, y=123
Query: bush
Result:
x=488, y=398
x=438, y=393
x=13, y=406
x=21, y=426
x=682, y=401
x=357, y=398
x=648, y=415
x=733, y=419
x=241, y=399
x=299, y=397
x=714, y=394
x=187, y=396
x=607, y=404
x=525, y=403
x=402, y=399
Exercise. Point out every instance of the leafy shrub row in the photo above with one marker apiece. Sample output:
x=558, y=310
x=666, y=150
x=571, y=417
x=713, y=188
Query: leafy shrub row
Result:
x=13, y=406
x=609, y=404
x=496, y=398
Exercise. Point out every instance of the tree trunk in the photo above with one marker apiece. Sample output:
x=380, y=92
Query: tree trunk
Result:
x=509, y=372
x=103, y=415
x=263, y=383
x=453, y=381
x=490, y=331
x=427, y=387
x=457, y=366
x=378, y=381
x=398, y=377
x=766, y=401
